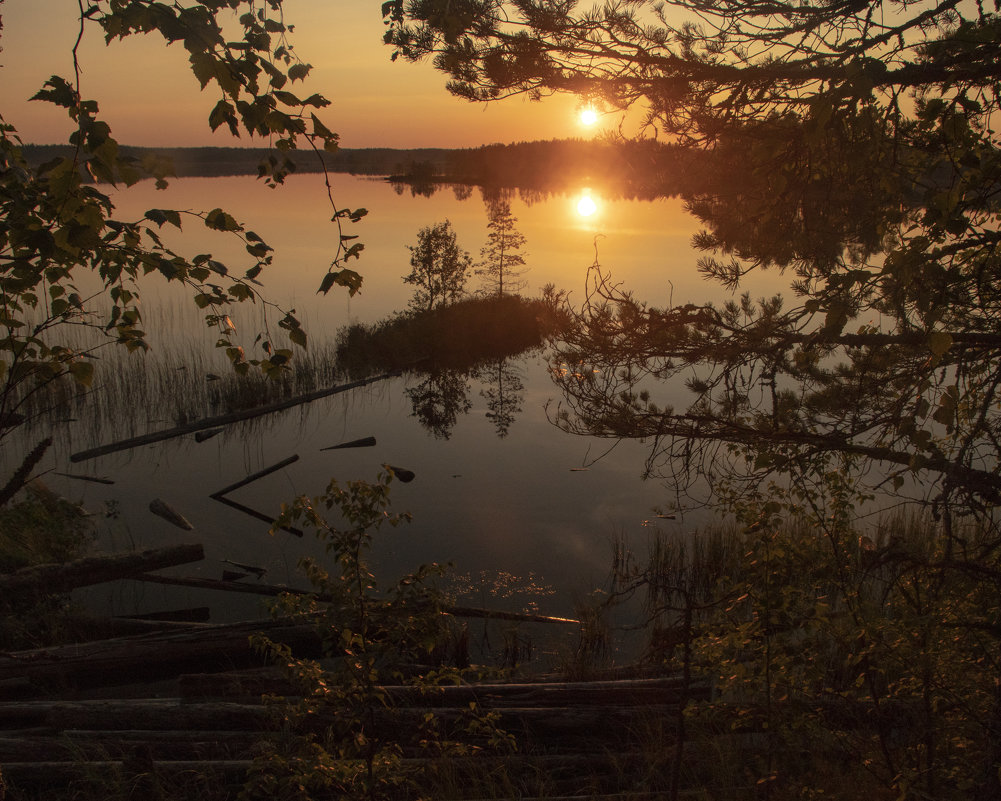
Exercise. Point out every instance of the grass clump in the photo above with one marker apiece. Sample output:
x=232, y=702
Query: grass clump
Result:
x=41, y=528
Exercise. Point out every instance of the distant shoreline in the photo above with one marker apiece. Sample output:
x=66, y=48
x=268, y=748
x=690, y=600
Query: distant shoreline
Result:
x=640, y=168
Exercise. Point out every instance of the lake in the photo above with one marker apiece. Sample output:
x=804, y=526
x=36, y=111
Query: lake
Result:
x=516, y=508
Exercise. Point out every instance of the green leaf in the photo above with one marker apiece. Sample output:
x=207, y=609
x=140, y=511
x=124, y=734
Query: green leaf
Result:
x=298, y=337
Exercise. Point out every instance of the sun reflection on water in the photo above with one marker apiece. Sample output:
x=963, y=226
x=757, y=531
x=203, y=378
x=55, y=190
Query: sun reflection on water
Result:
x=586, y=206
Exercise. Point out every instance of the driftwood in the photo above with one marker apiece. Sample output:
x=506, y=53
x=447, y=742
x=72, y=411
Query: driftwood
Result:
x=220, y=420
x=55, y=578
x=255, y=514
x=275, y=590
x=267, y=471
x=364, y=442
x=219, y=495
x=161, y=508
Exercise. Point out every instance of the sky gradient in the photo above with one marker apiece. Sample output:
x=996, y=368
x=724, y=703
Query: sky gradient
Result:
x=149, y=96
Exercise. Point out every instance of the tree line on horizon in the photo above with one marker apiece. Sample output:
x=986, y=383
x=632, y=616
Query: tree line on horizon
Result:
x=642, y=169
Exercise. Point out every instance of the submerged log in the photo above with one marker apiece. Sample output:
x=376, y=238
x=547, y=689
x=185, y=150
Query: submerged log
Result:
x=220, y=420
x=56, y=578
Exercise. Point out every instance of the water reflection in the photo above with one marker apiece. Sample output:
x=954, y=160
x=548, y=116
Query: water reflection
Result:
x=504, y=393
x=438, y=401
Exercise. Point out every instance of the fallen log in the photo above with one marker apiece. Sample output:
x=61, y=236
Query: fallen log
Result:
x=221, y=420
x=246, y=685
x=157, y=655
x=274, y=590
x=56, y=578
x=93, y=744
x=593, y=724
x=195, y=614
x=35, y=775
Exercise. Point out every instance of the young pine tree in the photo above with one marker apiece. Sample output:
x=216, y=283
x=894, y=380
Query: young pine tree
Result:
x=501, y=262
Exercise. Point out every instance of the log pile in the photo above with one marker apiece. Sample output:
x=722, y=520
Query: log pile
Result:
x=572, y=737
x=185, y=706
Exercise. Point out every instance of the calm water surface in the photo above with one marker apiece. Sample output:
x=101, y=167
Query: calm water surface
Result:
x=485, y=503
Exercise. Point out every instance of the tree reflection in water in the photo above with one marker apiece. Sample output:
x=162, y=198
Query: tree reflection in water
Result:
x=504, y=391
x=439, y=400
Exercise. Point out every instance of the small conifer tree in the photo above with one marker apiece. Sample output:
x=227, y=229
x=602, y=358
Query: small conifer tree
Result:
x=501, y=263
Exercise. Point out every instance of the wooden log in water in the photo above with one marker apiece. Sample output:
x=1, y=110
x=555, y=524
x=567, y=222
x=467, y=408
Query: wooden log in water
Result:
x=55, y=578
x=275, y=590
x=267, y=471
x=254, y=513
x=233, y=685
x=364, y=442
x=221, y=420
x=161, y=508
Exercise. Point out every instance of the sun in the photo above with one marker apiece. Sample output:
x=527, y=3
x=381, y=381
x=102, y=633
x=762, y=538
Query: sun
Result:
x=586, y=206
x=588, y=116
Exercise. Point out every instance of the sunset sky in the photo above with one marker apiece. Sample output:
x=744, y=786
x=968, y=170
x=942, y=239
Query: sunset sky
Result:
x=149, y=96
